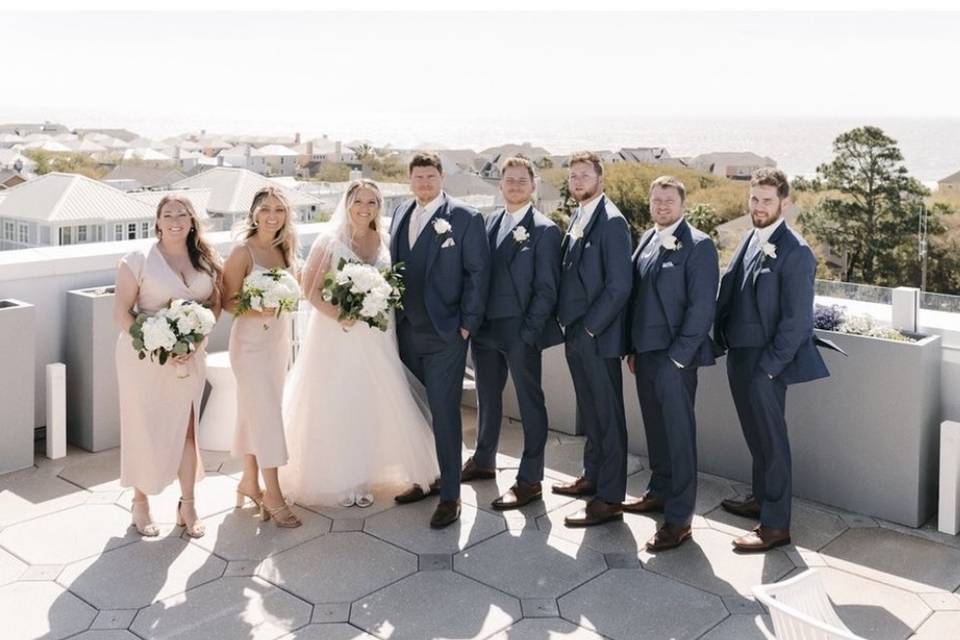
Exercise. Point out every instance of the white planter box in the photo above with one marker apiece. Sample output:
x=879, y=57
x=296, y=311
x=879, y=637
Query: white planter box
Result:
x=17, y=380
x=93, y=409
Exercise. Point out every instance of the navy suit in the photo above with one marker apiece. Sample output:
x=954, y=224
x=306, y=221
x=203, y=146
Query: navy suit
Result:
x=595, y=282
x=672, y=309
x=765, y=321
x=520, y=321
x=446, y=276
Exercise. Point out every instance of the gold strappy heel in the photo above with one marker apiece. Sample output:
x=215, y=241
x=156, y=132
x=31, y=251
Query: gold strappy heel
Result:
x=197, y=529
x=148, y=530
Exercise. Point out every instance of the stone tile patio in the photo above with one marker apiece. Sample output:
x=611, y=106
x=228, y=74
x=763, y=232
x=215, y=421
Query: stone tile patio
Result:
x=71, y=568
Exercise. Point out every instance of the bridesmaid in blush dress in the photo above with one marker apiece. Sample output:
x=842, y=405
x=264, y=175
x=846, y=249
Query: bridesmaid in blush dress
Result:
x=158, y=408
x=260, y=351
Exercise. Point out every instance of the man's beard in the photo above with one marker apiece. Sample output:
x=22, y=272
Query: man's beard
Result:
x=589, y=195
x=768, y=221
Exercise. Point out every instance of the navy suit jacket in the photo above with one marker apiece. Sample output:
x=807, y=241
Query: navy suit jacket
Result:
x=535, y=272
x=601, y=260
x=685, y=287
x=784, y=291
x=458, y=266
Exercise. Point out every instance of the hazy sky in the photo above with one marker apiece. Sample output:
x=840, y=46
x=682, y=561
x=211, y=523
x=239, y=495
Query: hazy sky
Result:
x=288, y=67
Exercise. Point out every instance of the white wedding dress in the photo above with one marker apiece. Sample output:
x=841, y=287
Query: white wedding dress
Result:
x=353, y=421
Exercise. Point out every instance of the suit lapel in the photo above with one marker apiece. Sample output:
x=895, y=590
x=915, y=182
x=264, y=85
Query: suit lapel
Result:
x=579, y=245
x=397, y=225
x=495, y=228
x=435, y=238
x=775, y=241
x=685, y=240
x=509, y=248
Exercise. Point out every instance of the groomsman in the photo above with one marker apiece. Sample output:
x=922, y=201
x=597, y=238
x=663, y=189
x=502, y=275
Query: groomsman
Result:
x=446, y=257
x=765, y=320
x=595, y=283
x=675, y=278
x=519, y=322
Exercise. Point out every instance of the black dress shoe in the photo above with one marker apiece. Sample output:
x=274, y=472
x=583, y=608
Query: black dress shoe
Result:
x=668, y=536
x=473, y=472
x=597, y=512
x=579, y=487
x=519, y=495
x=749, y=507
x=648, y=503
x=416, y=493
x=447, y=513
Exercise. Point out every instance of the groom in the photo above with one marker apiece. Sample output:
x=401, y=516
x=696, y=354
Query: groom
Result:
x=443, y=247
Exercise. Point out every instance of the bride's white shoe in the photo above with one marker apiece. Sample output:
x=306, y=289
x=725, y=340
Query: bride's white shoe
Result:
x=364, y=500
x=348, y=500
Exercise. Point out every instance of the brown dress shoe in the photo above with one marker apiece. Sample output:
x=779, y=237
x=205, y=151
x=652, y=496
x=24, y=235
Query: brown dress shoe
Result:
x=648, y=503
x=520, y=494
x=579, y=487
x=597, y=512
x=749, y=507
x=668, y=536
x=762, y=539
x=447, y=513
x=416, y=493
x=472, y=472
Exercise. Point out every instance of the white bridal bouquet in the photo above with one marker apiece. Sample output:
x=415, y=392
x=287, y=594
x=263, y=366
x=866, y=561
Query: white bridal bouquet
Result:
x=363, y=292
x=275, y=290
x=173, y=331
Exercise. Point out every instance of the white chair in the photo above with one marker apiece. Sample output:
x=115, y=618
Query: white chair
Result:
x=801, y=610
x=219, y=418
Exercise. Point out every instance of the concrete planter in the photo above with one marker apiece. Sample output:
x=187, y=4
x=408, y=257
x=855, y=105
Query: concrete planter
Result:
x=17, y=331
x=93, y=409
x=864, y=439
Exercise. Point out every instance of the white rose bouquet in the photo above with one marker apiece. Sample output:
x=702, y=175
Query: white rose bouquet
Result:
x=275, y=291
x=174, y=331
x=363, y=292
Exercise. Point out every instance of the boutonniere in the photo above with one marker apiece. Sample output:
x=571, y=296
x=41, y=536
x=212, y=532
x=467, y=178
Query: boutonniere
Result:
x=442, y=226
x=670, y=243
x=769, y=250
x=521, y=235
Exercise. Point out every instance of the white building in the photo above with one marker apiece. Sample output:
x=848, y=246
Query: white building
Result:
x=734, y=165
x=279, y=159
x=61, y=209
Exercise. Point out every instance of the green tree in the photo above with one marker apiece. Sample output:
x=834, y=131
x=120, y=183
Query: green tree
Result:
x=873, y=217
x=332, y=172
x=704, y=217
x=48, y=162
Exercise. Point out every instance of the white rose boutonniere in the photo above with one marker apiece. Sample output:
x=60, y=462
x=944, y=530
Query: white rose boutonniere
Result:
x=576, y=231
x=769, y=250
x=670, y=243
x=442, y=226
x=521, y=235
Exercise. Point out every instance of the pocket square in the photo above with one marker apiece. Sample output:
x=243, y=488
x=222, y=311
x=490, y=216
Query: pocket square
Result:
x=586, y=246
x=765, y=270
x=667, y=265
x=448, y=243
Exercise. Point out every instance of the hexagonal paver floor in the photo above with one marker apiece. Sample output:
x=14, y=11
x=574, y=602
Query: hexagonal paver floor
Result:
x=11, y=567
x=942, y=624
x=226, y=609
x=42, y=610
x=810, y=527
x=545, y=629
x=739, y=627
x=481, y=493
x=435, y=604
x=92, y=529
x=105, y=634
x=708, y=562
x=614, y=537
x=907, y=561
x=96, y=472
x=138, y=574
x=626, y=604
x=239, y=535
x=338, y=567
x=408, y=526
x=32, y=493
x=329, y=632
x=214, y=494
x=710, y=490
x=531, y=565
x=871, y=609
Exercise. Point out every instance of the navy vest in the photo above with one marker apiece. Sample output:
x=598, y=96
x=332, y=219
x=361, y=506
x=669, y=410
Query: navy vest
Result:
x=572, y=298
x=650, y=331
x=743, y=326
x=503, y=301
x=414, y=275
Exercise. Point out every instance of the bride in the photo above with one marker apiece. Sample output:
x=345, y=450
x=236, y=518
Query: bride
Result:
x=353, y=421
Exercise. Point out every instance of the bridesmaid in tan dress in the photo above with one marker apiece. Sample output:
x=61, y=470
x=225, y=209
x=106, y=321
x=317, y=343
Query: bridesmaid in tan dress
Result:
x=158, y=409
x=260, y=357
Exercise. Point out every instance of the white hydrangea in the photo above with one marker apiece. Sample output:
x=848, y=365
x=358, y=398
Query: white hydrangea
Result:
x=157, y=333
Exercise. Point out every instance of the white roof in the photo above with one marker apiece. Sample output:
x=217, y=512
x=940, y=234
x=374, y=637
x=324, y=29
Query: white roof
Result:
x=86, y=146
x=199, y=198
x=71, y=198
x=51, y=146
x=276, y=150
x=146, y=154
x=7, y=138
x=232, y=189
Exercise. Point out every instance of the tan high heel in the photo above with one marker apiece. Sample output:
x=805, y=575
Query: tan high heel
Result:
x=290, y=521
x=197, y=529
x=242, y=498
x=147, y=530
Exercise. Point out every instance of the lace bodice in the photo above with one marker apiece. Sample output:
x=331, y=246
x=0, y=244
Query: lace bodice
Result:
x=341, y=250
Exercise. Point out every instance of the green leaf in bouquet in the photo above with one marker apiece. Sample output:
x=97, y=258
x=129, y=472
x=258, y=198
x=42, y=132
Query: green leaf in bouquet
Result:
x=163, y=356
x=181, y=348
x=138, y=344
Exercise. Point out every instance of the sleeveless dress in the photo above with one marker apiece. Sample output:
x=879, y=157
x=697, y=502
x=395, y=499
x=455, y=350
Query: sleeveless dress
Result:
x=260, y=352
x=155, y=404
x=353, y=422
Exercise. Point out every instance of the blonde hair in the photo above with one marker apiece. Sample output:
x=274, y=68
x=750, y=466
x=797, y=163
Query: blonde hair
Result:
x=351, y=197
x=286, y=237
x=202, y=255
